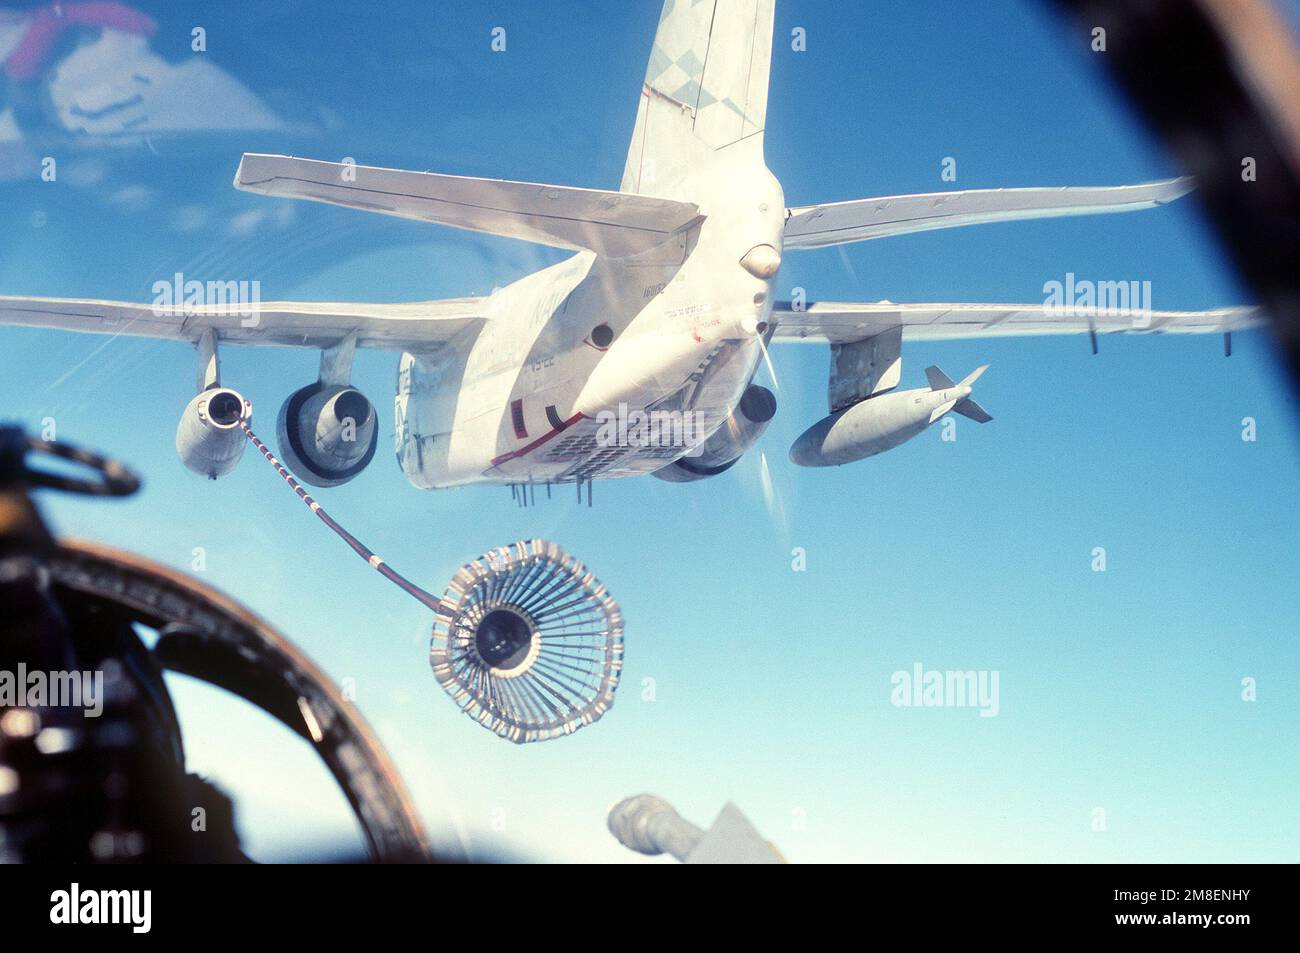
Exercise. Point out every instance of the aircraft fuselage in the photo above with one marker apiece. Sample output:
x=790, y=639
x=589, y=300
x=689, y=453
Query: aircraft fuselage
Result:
x=674, y=330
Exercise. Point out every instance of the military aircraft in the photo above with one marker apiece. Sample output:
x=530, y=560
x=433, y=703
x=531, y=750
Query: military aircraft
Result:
x=638, y=353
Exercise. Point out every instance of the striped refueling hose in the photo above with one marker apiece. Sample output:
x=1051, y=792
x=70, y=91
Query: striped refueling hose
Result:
x=376, y=562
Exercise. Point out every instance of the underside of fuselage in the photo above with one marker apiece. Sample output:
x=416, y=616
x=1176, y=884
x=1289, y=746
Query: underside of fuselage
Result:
x=508, y=407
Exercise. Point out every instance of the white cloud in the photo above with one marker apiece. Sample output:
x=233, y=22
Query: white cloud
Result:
x=245, y=223
x=189, y=218
x=132, y=198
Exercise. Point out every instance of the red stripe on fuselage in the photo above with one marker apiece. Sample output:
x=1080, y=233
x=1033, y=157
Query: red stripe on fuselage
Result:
x=514, y=454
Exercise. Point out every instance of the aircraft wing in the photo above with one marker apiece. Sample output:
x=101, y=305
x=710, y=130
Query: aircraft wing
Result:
x=838, y=223
x=842, y=323
x=616, y=224
x=418, y=326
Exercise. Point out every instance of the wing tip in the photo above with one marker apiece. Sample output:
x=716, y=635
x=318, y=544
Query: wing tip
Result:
x=246, y=179
x=1173, y=189
x=241, y=180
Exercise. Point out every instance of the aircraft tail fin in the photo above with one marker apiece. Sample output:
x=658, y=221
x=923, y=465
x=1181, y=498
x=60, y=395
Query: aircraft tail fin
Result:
x=966, y=407
x=937, y=378
x=705, y=88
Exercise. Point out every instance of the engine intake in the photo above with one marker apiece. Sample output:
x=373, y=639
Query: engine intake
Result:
x=327, y=433
x=209, y=440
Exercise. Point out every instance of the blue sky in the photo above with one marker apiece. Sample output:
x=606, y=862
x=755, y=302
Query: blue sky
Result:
x=1119, y=690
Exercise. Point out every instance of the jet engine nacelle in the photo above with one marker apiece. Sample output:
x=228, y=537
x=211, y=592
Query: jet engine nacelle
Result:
x=327, y=433
x=728, y=444
x=209, y=440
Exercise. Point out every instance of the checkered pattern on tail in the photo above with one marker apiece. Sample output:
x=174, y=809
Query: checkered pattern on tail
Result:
x=705, y=88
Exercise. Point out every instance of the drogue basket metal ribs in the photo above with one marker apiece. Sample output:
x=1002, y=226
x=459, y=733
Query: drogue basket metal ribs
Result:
x=528, y=642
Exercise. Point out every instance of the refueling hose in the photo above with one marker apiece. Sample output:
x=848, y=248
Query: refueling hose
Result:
x=376, y=563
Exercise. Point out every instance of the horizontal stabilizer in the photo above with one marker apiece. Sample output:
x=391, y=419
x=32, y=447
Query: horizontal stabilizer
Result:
x=610, y=223
x=837, y=223
x=968, y=408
